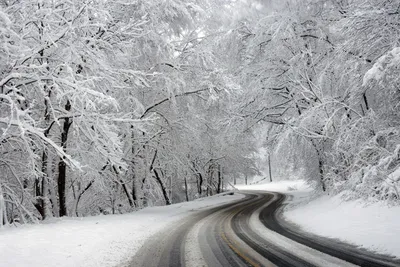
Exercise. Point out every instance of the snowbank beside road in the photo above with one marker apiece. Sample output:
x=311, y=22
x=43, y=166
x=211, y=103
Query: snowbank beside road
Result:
x=279, y=186
x=375, y=226
x=93, y=241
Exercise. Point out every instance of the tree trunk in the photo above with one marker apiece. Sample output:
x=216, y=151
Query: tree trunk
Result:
x=80, y=195
x=320, y=166
x=3, y=211
x=199, y=184
x=53, y=199
x=38, y=202
x=62, y=167
x=186, y=190
x=219, y=180
x=222, y=180
x=269, y=168
x=210, y=174
x=163, y=189
x=134, y=193
x=45, y=196
x=41, y=190
x=61, y=188
x=127, y=193
x=113, y=198
x=158, y=179
x=365, y=100
x=321, y=172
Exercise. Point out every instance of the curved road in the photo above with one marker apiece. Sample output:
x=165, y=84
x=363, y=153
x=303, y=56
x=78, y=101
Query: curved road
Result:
x=248, y=232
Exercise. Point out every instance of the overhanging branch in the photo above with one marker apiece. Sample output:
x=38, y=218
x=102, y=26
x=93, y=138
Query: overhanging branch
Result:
x=148, y=109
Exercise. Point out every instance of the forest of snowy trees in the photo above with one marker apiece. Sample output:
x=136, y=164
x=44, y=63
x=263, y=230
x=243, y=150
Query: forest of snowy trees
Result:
x=110, y=106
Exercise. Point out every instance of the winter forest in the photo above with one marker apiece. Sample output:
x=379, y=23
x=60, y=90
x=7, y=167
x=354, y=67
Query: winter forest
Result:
x=112, y=106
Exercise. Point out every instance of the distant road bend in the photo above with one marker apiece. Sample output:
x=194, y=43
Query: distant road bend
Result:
x=248, y=232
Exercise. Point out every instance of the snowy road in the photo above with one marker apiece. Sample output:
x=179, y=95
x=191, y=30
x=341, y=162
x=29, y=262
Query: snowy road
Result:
x=247, y=232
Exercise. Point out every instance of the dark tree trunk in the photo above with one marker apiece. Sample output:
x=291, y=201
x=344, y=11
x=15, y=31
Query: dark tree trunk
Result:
x=125, y=188
x=186, y=190
x=127, y=193
x=41, y=182
x=199, y=183
x=39, y=188
x=134, y=193
x=3, y=208
x=40, y=203
x=158, y=179
x=210, y=174
x=61, y=188
x=362, y=110
x=62, y=167
x=163, y=189
x=320, y=166
x=321, y=173
x=269, y=168
x=365, y=101
x=219, y=186
x=80, y=196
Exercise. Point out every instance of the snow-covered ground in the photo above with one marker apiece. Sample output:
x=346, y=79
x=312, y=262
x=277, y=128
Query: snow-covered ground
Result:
x=111, y=240
x=374, y=226
x=281, y=186
x=95, y=241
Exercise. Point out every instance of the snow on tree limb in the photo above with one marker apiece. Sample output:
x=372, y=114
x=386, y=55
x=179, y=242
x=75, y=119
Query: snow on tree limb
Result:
x=382, y=66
